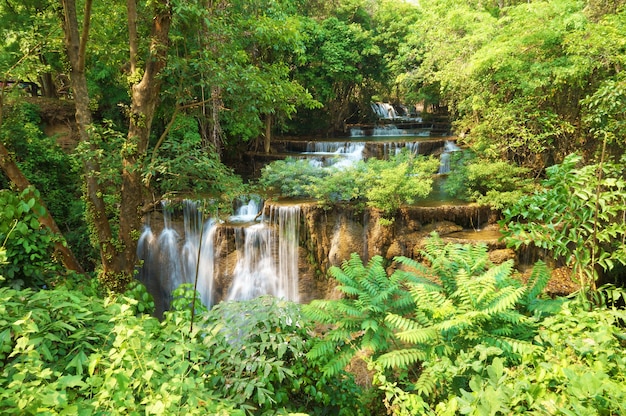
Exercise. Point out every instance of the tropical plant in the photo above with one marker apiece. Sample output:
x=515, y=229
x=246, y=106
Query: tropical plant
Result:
x=183, y=165
x=578, y=368
x=498, y=184
x=428, y=327
x=256, y=355
x=476, y=312
x=403, y=179
x=381, y=184
x=65, y=352
x=578, y=217
x=290, y=177
x=357, y=320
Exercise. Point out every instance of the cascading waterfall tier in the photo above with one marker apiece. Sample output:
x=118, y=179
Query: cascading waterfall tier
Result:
x=232, y=261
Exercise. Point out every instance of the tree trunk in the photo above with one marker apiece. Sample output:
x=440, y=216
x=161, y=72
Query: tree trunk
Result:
x=16, y=176
x=118, y=260
x=75, y=46
x=268, y=133
x=144, y=97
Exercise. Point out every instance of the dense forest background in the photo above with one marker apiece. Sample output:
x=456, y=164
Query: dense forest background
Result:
x=160, y=98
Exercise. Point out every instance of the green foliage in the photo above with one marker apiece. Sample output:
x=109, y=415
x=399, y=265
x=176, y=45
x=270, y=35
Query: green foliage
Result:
x=357, y=321
x=428, y=328
x=183, y=166
x=29, y=246
x=64, y=352
x=458, y=326
x=578, y=217
x=401, y=180
x=382, y=184
x=498, y=184
x=138, y=292
x=340, y=64
x=578, y=368
x=54, y=173
x=520, y=77
x=257, y=353
x=290, y=177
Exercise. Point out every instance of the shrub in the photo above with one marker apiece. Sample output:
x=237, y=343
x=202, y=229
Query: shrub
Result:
x=184, y=165
x=382, y=184
x=258, y=359
x=428, y=328
x=66, y=353
x=578, y=368
x=498, y=184
x=29, y=246
x=578, y=217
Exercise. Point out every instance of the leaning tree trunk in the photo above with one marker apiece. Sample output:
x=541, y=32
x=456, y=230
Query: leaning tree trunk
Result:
x=16, y=176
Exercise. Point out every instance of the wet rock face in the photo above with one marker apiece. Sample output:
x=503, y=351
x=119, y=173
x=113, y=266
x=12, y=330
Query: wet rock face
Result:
x=333, y=235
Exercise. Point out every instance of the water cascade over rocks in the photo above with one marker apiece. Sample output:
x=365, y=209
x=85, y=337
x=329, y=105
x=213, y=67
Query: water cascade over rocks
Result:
x=232, y=260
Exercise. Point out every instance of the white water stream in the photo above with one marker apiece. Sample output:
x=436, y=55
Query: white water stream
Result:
x=267, y=254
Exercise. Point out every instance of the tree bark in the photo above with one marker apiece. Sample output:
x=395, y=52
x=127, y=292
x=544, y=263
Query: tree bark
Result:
x=118, y=260
x=268, y=133
x=144, y=97
x=133, y=47
x=76, y=49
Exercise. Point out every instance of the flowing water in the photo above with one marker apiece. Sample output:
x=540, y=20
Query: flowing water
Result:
x=267, y=254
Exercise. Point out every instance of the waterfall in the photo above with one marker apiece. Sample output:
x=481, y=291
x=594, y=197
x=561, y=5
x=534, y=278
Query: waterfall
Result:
x=287, y=220
x=444, y=164
x=248, y=211
x=384, y=110
x=255, y=274
x=267, y=255
x=268, y=260
x=357, y=132
x=339, y=154
x=389, y=130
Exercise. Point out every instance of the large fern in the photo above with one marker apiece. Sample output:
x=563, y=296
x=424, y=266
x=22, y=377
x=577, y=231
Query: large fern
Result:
x=357, y=321
x=476, y=307
x=430, y=325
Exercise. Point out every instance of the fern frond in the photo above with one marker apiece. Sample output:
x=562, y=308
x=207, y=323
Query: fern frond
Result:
x=458, y=323
x=511, y=345
x=427, y=298
x=427, y=382
x=506, y=299
x=402, y=358
x=402, y=303
x=350, y=290
x=471, y=290
x=514, y=317
x=502, y=273
x=418, y=269
x=428, y=335
x=338, y=363
x=401, y=323
x=538, y=281
x=320, y=311
x=345, y=307
x=376, y=277
x=322, y=348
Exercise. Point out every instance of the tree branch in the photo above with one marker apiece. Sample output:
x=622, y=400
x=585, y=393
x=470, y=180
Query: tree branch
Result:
x=131, y=6
x=84, y=36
